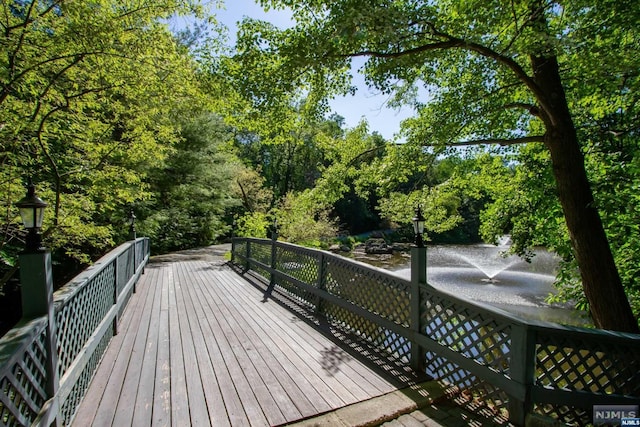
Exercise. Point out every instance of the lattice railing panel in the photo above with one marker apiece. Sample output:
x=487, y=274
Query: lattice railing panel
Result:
x=376, y=292
x=125, y=301
x=126, y=269
x=567, y=415
x=82, y=384
x=79, y=316
x=442, y=369
x=296, y=293
x=261, y=252
x=396, y=347
x=22, y=391
x=468, y=331
x=494, y=397
x=474, y=388
x=240, y=251
x=571, y=363
x=351, y=322
x=298, y=264
x=302, y=266
x=141, y=249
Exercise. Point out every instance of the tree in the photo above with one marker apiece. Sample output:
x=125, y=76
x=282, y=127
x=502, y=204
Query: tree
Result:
x=192, y=190
x=87, y=94
x=302, y=220
x=494, y=73
x=282, y=141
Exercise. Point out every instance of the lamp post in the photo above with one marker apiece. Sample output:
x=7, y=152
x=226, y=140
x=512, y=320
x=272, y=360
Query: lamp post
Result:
x=274, y=253
x=418, y=278
x=274, y=229
x=418, y=252
x=35, y=262
x=36, y=279
x=132, y=225
x=132, y=237
x=233, y=240
x=418, y=227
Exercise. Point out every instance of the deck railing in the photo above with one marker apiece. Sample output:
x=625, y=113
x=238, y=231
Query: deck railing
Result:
x=517, y=366
x=86, y=312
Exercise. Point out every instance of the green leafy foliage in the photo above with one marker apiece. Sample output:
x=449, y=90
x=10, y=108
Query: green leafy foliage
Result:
x=302, y=220
x=89, y=95
x=253, y=224
x=192, y=191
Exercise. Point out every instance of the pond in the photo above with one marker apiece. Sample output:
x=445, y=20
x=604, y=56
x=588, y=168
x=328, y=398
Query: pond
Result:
x=482, y=273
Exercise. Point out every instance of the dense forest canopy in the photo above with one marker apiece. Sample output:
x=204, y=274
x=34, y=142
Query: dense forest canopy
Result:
x=526, y=124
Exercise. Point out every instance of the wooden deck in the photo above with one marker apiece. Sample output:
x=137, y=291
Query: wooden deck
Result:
x=198, y=345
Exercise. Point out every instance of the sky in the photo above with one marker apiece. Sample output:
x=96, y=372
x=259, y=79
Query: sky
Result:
x=365, y=103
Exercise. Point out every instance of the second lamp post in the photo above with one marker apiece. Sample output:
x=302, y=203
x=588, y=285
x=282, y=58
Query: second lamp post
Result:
x=418, y=252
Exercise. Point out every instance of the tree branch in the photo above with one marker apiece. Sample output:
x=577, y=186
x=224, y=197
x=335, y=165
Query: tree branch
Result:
x=28, y=19
x=524, y=25
x=450, y=42
x=496, y=141
x=50, y=159
x=532, y=109
x=245, y=198
x=50, y=84
x=6, y=88
x=364, y=153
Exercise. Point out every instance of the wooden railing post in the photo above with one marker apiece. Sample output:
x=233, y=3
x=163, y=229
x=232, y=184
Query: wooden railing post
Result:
x=146, y=250
x=321, y=282
x=248, y=255
x=273, y=263
x=522, y=369
x=233, y=249
x=418, y=277
x=36, y=280
x=116, y=278
x=135, y=263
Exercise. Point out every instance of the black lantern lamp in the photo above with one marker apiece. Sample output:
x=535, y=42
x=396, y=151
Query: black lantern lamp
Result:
x=418, y=227
x=274, y=229
x=32, y=213
x=132, y=225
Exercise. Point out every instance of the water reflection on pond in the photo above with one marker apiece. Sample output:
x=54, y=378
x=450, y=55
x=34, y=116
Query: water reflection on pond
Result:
x=482, y=273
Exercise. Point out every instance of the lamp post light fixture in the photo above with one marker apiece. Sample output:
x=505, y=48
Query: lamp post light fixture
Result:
x=418, y=227
x=274, y=230
x=36, y=281
x=274, y=253
x=418, y=278
x=32, y=213
x=132, y=225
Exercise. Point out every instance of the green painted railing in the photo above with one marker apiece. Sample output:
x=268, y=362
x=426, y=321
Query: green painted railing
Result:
x=86, y=312
x=517, y=366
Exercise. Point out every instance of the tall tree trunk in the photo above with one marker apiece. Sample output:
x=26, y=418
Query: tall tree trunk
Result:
x=610, y=307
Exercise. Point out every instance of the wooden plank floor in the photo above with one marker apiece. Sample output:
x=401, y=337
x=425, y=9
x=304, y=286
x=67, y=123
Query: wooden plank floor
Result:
x=198, y=345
